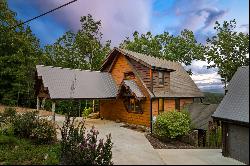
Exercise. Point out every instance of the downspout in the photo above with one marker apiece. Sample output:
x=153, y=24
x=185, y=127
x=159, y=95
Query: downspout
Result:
x=151, y=88
x=151, y=116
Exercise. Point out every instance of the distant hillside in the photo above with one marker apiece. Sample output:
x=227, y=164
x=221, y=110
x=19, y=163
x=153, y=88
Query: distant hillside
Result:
x=213, y=98
x=219, y=90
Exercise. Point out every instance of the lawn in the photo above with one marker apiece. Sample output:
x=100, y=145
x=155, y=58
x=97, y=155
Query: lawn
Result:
x=15, y=151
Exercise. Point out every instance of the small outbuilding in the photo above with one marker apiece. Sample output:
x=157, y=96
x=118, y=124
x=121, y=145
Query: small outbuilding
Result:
x=233, y=112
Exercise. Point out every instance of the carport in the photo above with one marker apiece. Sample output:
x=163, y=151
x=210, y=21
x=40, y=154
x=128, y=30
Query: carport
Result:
x=56, y=83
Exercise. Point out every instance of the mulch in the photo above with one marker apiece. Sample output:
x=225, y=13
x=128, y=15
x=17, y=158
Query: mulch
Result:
x=171, y=144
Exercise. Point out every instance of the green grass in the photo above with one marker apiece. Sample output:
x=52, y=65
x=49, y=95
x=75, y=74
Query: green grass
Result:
x=15, y=151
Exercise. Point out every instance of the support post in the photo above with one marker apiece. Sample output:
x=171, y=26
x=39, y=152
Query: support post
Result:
x=37, y=103
x=53, y=110
x=43, y=103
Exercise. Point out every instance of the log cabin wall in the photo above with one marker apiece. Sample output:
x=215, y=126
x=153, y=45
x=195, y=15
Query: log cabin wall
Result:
x=115, y=109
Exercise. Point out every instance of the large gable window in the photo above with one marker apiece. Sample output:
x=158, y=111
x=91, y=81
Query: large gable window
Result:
x=132, y=105
x=161, y=78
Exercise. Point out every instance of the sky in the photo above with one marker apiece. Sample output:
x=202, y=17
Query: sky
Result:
x=120, y=18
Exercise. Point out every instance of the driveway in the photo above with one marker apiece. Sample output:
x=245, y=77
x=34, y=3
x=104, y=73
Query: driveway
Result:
x=132, y=148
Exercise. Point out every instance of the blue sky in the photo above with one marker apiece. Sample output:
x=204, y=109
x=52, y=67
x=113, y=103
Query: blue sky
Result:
x=120, y=18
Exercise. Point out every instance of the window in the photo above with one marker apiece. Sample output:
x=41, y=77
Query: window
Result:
x=129, y=75
x=161, y=78
x=177, y=104
x=132, y=105
x=160, y=105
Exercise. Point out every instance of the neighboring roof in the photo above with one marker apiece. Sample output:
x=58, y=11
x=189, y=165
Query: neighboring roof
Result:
x=131, y=84
x=181, y=84
x=235, y=104
x=65, y=83
x=201, y=114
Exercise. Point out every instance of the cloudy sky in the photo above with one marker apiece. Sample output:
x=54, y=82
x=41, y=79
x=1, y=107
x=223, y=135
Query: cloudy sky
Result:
x=120, y=18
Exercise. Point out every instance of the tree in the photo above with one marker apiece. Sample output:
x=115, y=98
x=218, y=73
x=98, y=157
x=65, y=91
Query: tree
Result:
x=83, y=49
x=183, y=48
x=19, y=52
x=89, y=42
x=65, y=53
x=228, y=49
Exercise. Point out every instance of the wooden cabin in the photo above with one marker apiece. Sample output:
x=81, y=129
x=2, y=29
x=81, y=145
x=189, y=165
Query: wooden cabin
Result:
x=131, y=87
x=147, y=87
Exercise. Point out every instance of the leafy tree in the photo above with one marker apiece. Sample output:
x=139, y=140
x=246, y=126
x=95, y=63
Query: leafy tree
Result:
x=228, y=49
x=183, y=48
x=83, y=49
x=19, y=52
x=65, y=53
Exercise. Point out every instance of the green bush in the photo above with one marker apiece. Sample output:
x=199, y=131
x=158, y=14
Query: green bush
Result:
x=10, y=140
x=172, y=124
x=86, y=112
x=7, y=129
x=8, y=114
x=24, y=124
x=44, y=132
x=214, y=136
x=80, y=149
x=28, y=125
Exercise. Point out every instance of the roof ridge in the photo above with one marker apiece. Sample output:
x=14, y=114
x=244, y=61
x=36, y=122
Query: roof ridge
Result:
x=59, y=67
x=157, y=58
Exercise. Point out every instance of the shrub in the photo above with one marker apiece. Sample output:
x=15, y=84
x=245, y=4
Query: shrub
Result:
x=76, y=148
x=44, y=132
x=10, y=140
x=86, y=112
x=24, y=124
x=8, y=114
x=28, y=125
x=214, y=136
x=7, y=129
x=172, y=124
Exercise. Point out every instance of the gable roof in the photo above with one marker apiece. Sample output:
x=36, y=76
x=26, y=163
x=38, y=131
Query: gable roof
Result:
x=181, y=84
x=65, y=83
x=146, y=60
x=235, y=104
x=132, y=86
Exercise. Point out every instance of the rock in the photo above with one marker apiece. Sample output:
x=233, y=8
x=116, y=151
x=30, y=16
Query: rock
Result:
x=117, y=121
x=94, y=115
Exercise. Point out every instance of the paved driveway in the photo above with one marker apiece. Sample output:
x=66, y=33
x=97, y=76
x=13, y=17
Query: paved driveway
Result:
x=132, y=148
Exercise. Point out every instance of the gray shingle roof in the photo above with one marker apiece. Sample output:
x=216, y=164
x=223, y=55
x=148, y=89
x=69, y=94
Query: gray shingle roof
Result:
x=149, y=60
x=235, y=104
x=181, y=84
x=131, y=84
x=201, y=114
x=64, y=83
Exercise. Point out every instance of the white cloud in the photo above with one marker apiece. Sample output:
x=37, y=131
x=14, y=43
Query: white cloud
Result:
x=203, y=77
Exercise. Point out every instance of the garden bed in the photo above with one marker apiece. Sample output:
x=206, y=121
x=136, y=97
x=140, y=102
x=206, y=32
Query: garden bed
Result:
x=173, y=144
